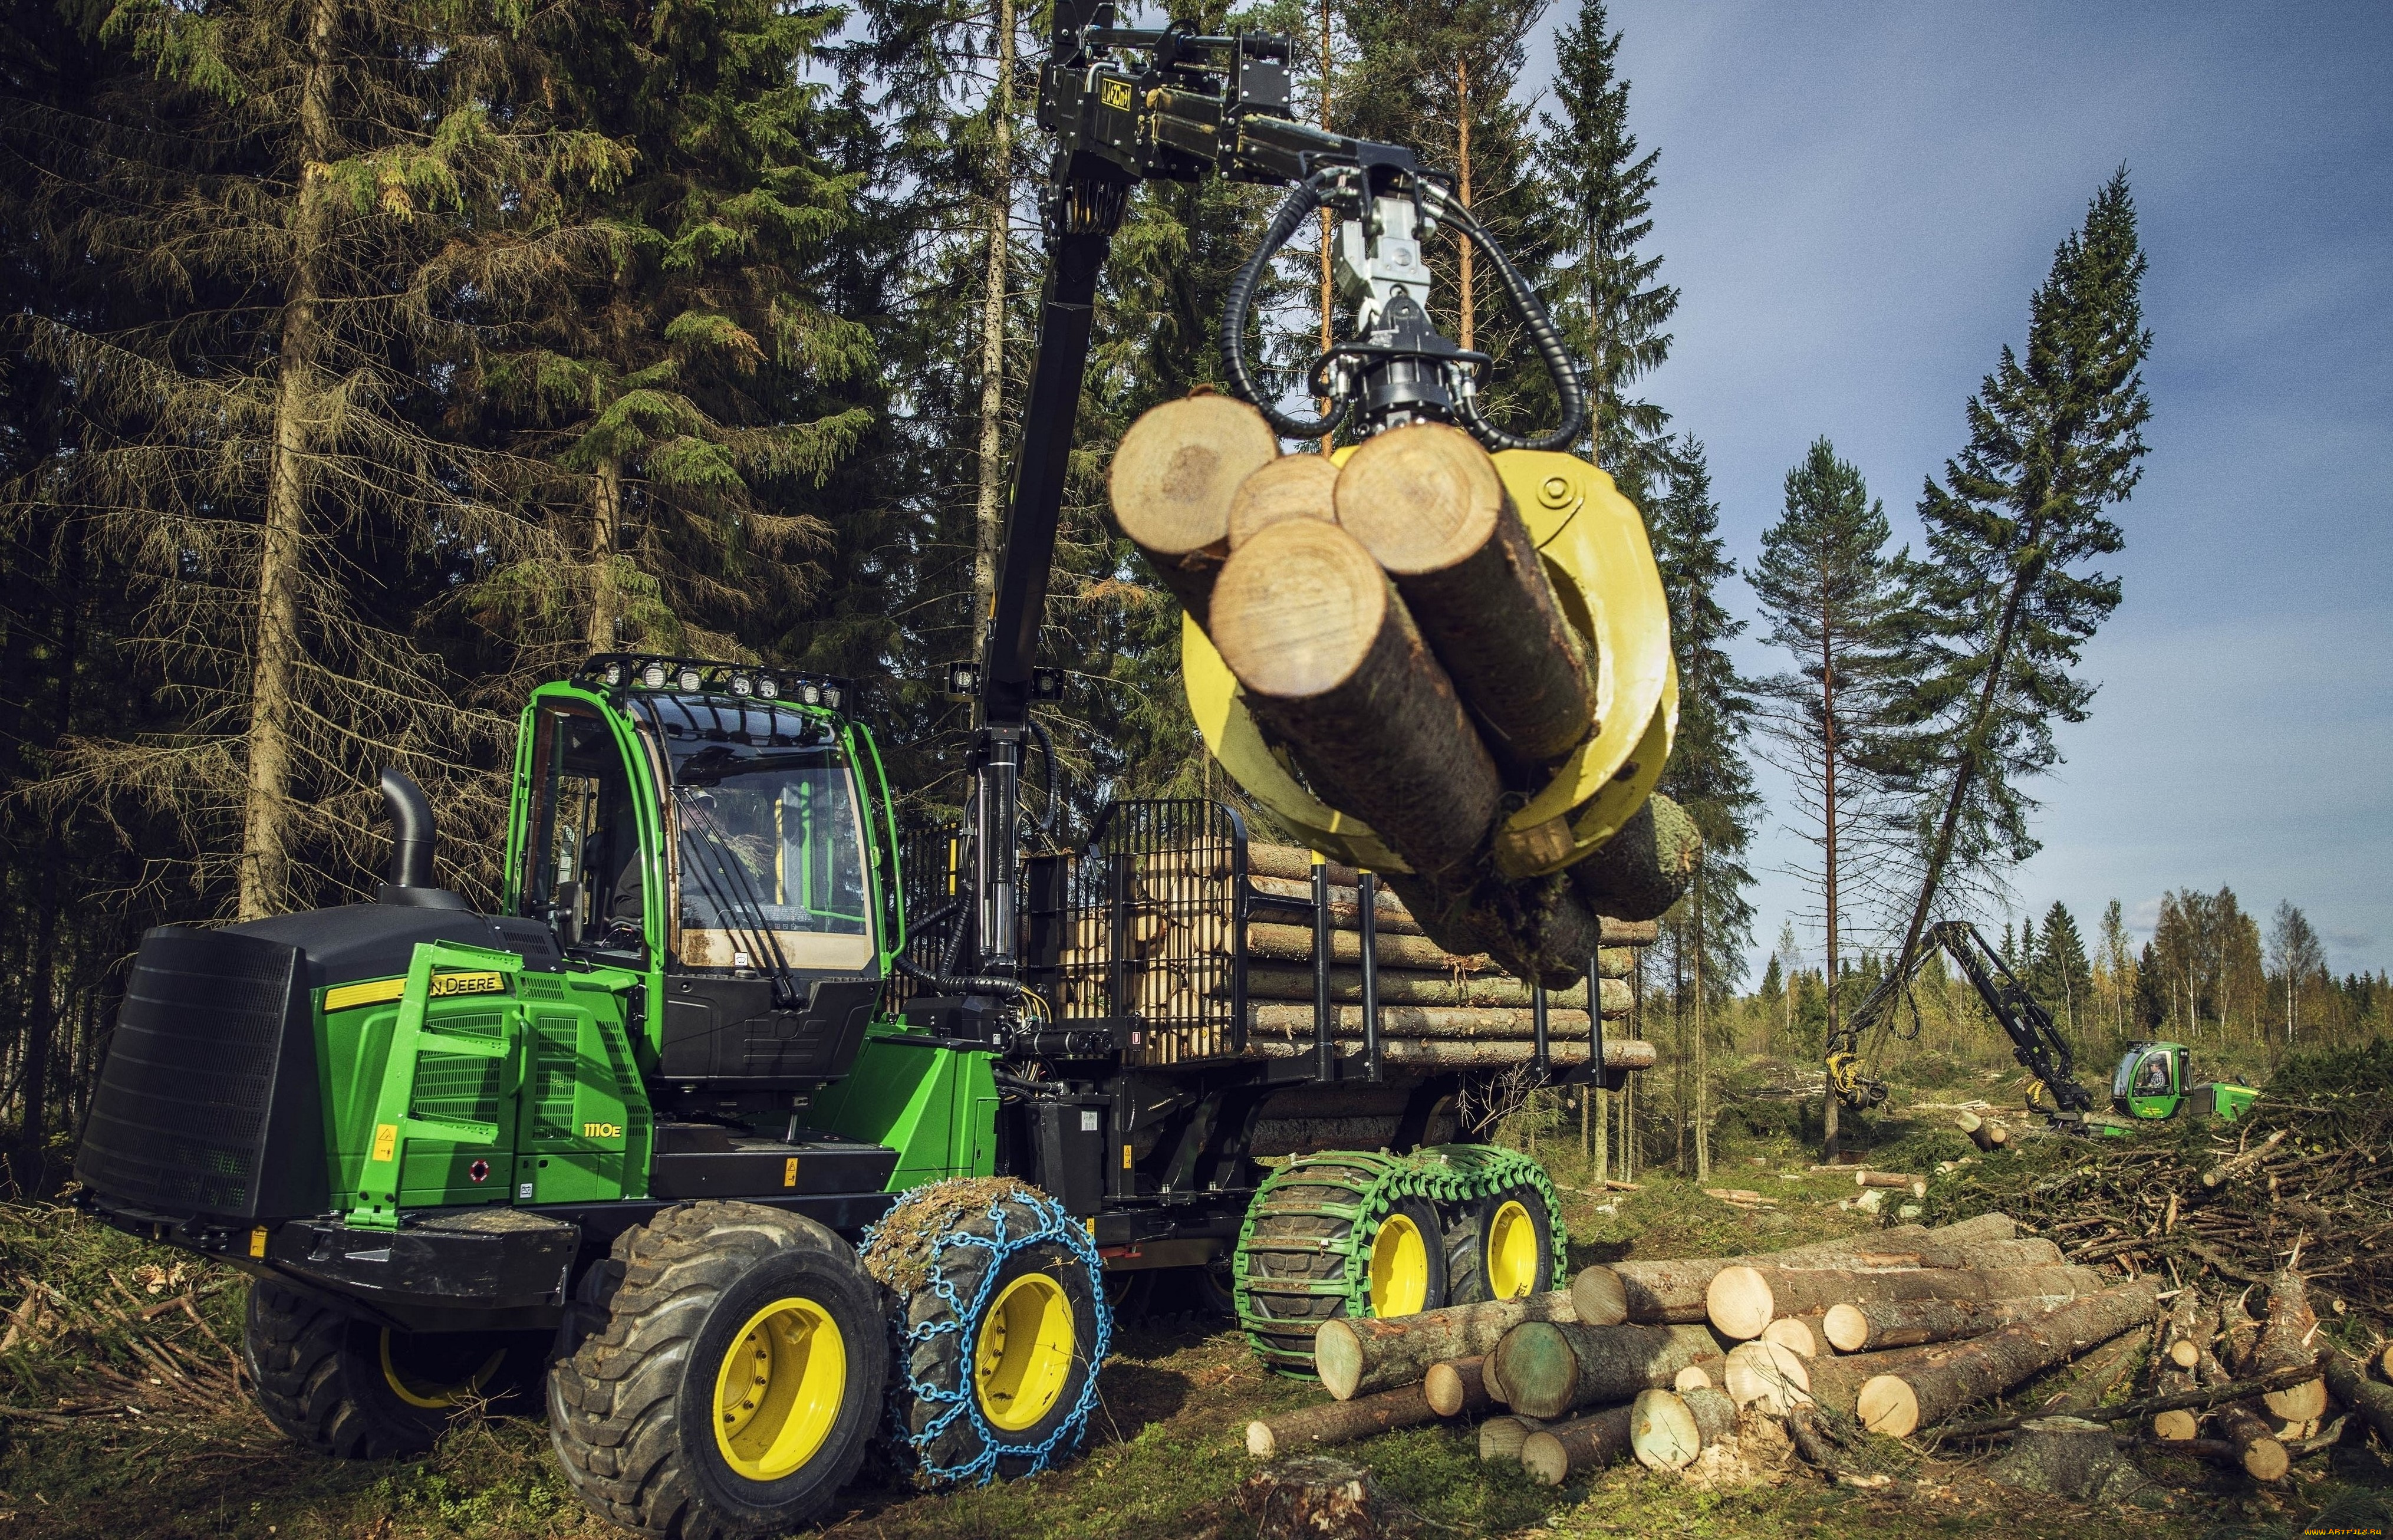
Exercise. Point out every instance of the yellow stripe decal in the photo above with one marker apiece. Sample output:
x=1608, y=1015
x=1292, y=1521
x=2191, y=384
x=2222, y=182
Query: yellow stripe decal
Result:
x=373, y=992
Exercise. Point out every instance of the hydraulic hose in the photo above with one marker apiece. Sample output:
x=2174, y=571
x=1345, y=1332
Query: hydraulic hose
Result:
x=1543, y=334
x=1238, y=306
x=1047, y=756
x=965, y=983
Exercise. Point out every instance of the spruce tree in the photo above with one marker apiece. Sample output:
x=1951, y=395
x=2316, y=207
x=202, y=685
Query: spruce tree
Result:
x=2010, y=591
x=1607, y=300
x=302, y=212
x=1832, y=596
x=2064, y=977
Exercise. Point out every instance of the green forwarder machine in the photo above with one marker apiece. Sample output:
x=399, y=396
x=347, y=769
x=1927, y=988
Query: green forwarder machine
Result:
x=752, y=1129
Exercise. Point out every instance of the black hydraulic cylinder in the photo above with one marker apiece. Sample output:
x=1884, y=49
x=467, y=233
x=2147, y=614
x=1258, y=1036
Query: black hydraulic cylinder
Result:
x=1540, y=1054
x=1595, y=1019
x=1366, y=890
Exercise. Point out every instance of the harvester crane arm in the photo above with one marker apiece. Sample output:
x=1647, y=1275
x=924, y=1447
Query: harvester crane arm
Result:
x=2036, y=1041
x=1128, y=105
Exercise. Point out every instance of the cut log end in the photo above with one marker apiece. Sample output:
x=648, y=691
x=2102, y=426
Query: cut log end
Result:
x=1661, y=1433
x=1295, y=486
x=1454, y=1387
x=1600, y=1296
x=2183, y=1353
x=1421, y=498
x=1845, y=1327
x=1739, y=1303
x=1500, y=1438
x=1555, y=1454
x=2176, y=1426
x=1887, y=1405
x=1178, y=467
x=1766, y=1374
x=1793, y=1333
x=1260, y=1442
x=1337, y=1358
x=2303, y=1403
x=1694, y=1377
x=1297, y=610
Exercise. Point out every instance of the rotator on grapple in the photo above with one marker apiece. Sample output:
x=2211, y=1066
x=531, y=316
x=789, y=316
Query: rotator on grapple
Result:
x=756, y=1129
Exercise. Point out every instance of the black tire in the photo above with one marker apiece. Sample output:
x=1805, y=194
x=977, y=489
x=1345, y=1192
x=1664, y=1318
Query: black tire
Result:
x=984, y=1266
x=1473, y=1236
x=633, y=1413
x=356, y=1391
x=1304, y=1255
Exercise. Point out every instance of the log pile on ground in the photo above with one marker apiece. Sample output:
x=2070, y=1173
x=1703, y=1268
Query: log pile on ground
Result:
x=1907, y=1329
x=1395, y=628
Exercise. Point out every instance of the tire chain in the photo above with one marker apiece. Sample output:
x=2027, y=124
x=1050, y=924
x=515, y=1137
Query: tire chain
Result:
x=1311, y=1248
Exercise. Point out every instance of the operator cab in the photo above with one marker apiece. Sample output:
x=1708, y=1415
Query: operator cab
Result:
x=2150, y=1080
x=719, y=840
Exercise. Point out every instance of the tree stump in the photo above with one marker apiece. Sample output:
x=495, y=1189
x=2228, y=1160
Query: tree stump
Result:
x=1314, y=1498
x=2069, y=1457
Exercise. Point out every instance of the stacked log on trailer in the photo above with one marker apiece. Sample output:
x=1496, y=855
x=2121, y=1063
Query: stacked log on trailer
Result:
x=1661, y=1360
x=1437, y=1010
x=1392, y=626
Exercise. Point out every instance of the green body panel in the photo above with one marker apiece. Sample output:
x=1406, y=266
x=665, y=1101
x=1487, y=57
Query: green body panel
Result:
x=447, y=1077
x=2138, y=1090
x=935, y=1106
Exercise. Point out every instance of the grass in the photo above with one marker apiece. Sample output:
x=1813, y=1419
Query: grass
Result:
x=1167, y=1461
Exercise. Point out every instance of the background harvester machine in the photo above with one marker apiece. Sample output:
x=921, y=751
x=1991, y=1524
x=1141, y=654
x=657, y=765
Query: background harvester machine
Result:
x=756, y=1128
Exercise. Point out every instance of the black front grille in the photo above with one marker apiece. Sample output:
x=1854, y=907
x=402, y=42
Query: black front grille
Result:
x=208, y=1103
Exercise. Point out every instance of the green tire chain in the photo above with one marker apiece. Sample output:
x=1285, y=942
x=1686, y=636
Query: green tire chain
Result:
x=1303, y=1252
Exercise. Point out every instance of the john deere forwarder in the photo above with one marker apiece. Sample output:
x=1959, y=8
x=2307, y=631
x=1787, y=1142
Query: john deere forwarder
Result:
x=752, y=1129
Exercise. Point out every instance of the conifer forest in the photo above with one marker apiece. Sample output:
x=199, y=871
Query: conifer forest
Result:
x=366, y=363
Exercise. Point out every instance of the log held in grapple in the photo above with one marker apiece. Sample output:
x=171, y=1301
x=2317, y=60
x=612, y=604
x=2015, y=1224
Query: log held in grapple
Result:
x=1174, y=480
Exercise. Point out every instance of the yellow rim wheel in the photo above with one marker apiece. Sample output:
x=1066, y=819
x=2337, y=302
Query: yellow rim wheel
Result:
x=1399, y=1268
x=1024, y=1353
x=778, y=1393
x=1513, y=1257
x=432, y=1395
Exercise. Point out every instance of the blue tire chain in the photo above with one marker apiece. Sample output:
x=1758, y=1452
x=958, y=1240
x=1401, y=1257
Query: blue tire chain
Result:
x=1049, y=1222
x=1447, y=1175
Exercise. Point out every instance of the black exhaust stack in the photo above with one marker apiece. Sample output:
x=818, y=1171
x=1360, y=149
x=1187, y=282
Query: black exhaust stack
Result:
x=412, y=839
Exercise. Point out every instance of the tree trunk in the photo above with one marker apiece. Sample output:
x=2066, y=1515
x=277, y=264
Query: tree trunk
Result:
x=2287, y=1340
x=1425, y=986
x=1294, y=943
x=1441, y=1053
x=1338, y=1422
x=2174, y=1365
x=1554, y=1454
x=604, y=632
x=1483, y=1023
x=1459, y=1388
x=1828, y=856
x=1670, y=1291
x=1331, y=660
x=1875, y=1325
x=1355, y=1357
x=988, y=506
x=1703, y=1051
x=1645, y=868
x=1426, y=501
x=1988, y=1366
x=1741, y=1300
x=1550, y=1367
x=2257, y=1448
x=1668, y=1430
x=1172, y=482
x=1294, y=486
x=2099, y=1371
x=273, y=706
x=2354, y=1388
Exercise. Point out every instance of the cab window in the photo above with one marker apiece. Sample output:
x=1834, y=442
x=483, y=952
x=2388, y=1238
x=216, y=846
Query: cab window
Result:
x=2152, y=1076
x=583, y=870
x=769, y=853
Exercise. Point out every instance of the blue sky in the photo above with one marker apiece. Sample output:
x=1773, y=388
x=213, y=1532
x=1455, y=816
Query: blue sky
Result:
x=1856, y=201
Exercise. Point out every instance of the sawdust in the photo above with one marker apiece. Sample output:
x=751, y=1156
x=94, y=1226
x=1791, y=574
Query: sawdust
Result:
x=1758, y=1453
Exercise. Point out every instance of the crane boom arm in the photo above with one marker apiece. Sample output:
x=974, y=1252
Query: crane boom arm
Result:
x=2036, y=1039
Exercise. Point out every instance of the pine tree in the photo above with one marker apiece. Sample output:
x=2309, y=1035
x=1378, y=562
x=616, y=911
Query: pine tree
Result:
x=1608, y=302
x=2056, y=438
x=2064, y=980
x=1831, y=595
